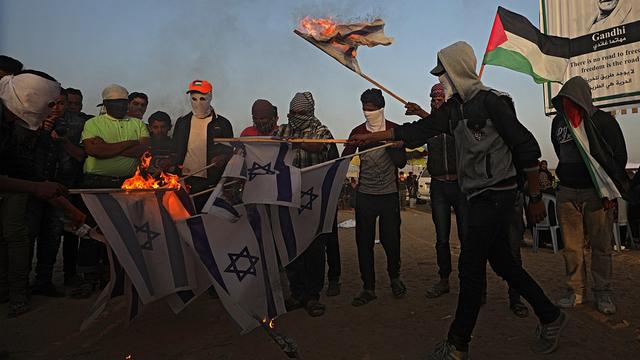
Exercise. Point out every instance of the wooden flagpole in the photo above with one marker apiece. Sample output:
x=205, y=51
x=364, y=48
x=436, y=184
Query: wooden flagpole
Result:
x=283, y=140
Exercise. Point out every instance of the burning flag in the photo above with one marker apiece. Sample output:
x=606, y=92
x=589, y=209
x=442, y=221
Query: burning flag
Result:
x=341, y=41
x=143, y=180
x=518, y=45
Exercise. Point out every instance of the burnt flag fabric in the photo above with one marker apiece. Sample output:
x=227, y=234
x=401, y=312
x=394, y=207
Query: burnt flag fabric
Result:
x=243, y=268
x=518, y=45
x=295, y=228
x=341, y=41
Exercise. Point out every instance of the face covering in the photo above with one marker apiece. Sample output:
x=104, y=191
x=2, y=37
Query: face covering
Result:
x=375, y=120
x=201, y=106
x=29, y=96
x=117, y=108
x=449, y=88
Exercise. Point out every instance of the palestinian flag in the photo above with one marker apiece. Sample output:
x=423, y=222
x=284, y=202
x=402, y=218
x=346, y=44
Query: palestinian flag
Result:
x=518, y=45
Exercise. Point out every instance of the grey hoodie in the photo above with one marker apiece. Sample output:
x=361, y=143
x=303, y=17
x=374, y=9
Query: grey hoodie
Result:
x=491, y=144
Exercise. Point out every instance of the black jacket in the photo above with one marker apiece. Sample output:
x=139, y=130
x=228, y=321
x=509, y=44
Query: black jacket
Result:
x=219, y=127
x=442, y=155
x=606, y=141
x=491, y=144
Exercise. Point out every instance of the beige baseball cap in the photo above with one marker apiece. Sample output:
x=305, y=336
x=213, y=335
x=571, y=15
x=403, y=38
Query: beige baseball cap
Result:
x=115, y=92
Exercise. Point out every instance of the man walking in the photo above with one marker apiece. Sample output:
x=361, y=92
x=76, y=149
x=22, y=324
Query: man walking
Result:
x=491, y=145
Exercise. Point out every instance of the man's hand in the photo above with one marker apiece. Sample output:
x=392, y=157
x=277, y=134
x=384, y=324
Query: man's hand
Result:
x=415, y=109
x=49, y=122
x=608, y=204
x=361, y=139
x=537, y=212
x=396, y=144
x=48, y=190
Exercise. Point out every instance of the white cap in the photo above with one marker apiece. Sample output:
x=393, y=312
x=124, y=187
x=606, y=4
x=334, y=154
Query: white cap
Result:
x=115, y=92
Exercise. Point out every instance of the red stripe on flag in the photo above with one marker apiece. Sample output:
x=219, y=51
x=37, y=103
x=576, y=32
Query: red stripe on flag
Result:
x=498, y=36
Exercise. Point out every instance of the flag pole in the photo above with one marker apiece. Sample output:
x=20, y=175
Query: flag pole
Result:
x=481, y=71
x=312, y=167
x=282, y=140
x=364, y=76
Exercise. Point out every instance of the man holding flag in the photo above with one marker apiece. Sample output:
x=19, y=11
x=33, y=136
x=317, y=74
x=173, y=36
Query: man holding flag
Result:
x=491, y=147
x=592, y=156
x=306, y=272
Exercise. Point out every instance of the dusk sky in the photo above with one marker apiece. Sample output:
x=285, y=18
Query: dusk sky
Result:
x=248, y=51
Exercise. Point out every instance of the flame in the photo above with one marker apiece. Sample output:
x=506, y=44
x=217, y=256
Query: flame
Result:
x=137, y=181
x=318, y=27
x=271, y=323
x=128, y=357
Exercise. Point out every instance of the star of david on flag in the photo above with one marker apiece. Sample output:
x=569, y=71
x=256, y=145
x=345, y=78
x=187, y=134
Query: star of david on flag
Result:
x=306, y=200
x=235, y=258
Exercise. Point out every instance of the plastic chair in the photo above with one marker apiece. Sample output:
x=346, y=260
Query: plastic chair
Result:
x=622, y=220
x=549, y=223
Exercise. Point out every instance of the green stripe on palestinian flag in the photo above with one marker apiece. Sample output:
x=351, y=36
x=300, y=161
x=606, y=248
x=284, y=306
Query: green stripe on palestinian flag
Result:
x=603, y=183
x=518, y=45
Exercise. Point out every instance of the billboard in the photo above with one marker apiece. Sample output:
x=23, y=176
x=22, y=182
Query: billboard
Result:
x=604, y=47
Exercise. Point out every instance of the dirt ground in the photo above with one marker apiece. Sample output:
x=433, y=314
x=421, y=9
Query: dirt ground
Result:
x=384, y=329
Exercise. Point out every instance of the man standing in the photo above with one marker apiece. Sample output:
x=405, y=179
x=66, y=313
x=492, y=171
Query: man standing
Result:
x=74, y=103
x=265, y=119
x=490, y=144
x=26, y=100
x=586, y=217
x=114, y=144
x=138, y=103
x=377, y=197
x=444, y=192
x=306, y=272
x=194, y=136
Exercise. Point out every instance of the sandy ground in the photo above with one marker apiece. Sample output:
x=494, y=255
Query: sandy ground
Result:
x=384, y=329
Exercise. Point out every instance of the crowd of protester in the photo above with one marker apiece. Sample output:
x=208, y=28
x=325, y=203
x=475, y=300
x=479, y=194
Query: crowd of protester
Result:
x=49, y=145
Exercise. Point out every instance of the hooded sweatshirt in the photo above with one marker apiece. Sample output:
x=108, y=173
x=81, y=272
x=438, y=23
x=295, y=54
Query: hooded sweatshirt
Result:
x=606, y=141
x=491, y=144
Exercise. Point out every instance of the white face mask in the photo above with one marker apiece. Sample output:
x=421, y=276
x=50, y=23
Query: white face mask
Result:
x=449, y=88
x=201, y=104
x=375, y=120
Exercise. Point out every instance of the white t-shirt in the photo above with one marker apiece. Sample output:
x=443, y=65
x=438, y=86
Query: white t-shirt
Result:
x=196, y=157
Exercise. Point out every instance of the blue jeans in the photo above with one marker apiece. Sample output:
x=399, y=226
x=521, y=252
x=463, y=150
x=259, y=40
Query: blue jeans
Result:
x=444, y=196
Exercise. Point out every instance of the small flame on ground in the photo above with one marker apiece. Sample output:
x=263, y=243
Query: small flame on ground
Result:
x=137, y=181
x=271, y=323
x=128, y=357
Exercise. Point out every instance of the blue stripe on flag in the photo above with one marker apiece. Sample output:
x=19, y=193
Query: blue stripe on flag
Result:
x=186, y=201
x=283, y=178
x=118, y=285
x=256, y=224
x=327, y=184
x=123, y=227
x=221, y=203
x=288, y=233
x=202, y=247
x=135, y=303
x=174, y=246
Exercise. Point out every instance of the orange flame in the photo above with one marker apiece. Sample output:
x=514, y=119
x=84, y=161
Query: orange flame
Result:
x=318, y=27
x=271, y=323
x=137, y=181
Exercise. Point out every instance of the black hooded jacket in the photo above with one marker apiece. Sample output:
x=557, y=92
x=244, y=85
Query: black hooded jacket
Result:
x=606, y=141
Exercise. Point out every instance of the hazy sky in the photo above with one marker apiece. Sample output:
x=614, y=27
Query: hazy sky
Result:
x=248, y=51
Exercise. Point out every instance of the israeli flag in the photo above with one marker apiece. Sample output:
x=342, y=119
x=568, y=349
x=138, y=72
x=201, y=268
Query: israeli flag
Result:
x=243, y=267
x=294, y=228
x=271, y=179
x=140, y=229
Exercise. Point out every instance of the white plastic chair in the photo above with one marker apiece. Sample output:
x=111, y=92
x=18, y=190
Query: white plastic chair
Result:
x=549, y=223
x=620, y=221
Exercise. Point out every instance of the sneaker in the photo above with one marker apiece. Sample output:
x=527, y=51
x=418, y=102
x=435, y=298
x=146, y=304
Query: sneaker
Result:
x=606, y=305
x=438, y=289
x=548, y=335
x=571, y=300
x=398, y=288
x=333, y=289
x=447, y=351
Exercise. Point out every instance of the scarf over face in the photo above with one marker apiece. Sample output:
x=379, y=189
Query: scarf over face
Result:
x=301, y=111
x=28, y=96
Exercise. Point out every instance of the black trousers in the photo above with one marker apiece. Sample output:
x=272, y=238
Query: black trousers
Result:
x=45, y=230
x=488, y=239
x=333, y=252
x=306, y=272
x=368, y=209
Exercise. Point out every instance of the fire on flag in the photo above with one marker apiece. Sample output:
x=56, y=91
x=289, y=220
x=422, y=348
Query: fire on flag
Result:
x=341, y=41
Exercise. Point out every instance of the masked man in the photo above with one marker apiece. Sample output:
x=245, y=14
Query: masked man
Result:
x=377, y=198
x=492, y=147
x=194, y=136
x=265, y=119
